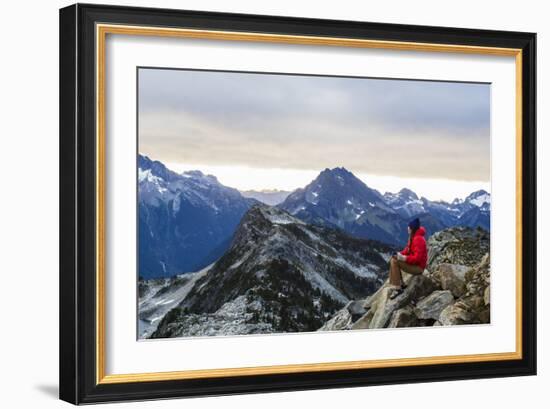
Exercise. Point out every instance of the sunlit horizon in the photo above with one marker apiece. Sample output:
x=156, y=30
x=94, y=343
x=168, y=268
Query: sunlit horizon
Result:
x=245, y=178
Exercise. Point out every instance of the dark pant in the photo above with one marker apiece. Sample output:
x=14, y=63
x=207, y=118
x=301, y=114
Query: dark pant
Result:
x=397, y=266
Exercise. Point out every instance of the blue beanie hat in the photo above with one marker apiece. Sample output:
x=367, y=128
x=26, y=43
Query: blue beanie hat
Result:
x=414, y=224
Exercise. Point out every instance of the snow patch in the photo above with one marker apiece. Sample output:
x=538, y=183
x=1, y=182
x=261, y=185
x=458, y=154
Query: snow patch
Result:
x=481, y=200
x=240, y=261
x=154, y=307
x=279, y=217
x=176, y=204
x=147, y=176
x=362, y=271
x=322, y=284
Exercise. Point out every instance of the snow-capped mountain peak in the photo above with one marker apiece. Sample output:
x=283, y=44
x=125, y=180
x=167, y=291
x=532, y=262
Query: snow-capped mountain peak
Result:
x=479, y=198
x=186, y=220
x=200, y=177
x=147, y=175
x=472, y=211
x=408, y=194
x=405, y=202
x=337, y=198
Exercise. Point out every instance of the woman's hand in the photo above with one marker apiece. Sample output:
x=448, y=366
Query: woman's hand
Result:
x=401, y=257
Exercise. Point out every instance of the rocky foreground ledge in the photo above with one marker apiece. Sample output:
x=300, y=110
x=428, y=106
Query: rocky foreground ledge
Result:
x=453, y=290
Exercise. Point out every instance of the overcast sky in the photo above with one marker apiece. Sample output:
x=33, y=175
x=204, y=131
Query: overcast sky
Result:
x=265, y=131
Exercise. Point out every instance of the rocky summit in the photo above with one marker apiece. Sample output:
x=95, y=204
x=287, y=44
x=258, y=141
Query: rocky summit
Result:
x=279, y=275
x=338, y=199
x=453, y=290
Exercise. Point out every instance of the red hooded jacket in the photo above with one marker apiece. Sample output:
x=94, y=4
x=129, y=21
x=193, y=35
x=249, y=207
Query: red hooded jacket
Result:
x=417, y=254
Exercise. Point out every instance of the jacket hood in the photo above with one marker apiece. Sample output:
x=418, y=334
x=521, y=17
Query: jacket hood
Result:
x=421, y=231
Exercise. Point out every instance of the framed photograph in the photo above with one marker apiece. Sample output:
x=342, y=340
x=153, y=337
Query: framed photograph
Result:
x=257, y=203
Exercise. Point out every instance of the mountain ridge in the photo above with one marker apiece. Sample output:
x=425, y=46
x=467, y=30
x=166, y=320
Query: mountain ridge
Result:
x=186, y=220
x=337, y=198
x=282, y=275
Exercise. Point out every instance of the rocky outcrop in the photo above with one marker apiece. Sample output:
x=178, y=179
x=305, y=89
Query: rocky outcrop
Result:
x=341, y=320
x=458, y=245
x=453, y=290
x=451, y=277
x=431, y=306
x=404, y=317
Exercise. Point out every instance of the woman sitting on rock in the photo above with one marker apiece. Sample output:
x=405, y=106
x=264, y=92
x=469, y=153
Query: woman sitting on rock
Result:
x=412, y=259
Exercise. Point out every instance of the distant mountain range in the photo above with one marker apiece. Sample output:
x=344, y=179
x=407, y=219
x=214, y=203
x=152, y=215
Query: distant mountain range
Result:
x=473, y=211
x=338, y=199
x=267, y=196
x=188, y=221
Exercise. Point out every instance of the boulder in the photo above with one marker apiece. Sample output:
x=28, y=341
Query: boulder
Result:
x=478, y=277
x=457, y=270
x=473, y=307
x=403, y=317
x=476, y=305
x=372, y=299
x=383, y=307
x=456, y=314
x=431, y=306
x=356, y=308
x=451, y=277
x=364, y=321
x=344, y=318
x=484, y=316
x=339, y=321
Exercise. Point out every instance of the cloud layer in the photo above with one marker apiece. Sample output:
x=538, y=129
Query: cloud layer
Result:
x=416, y=129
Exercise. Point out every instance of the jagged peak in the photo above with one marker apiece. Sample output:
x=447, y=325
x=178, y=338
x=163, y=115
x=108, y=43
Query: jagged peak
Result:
x=408, y=193
x=479, y=198
x=156, y=167
x=193, y=173
x=197, y=174
x=337, y=171
x=144, y=158
x=339, y=176
x=478, y=193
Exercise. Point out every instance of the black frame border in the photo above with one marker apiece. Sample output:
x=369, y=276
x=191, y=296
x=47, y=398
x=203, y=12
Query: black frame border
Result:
x=77, y=317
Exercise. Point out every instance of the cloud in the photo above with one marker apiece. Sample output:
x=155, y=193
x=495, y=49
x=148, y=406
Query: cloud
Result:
x=397, y=128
